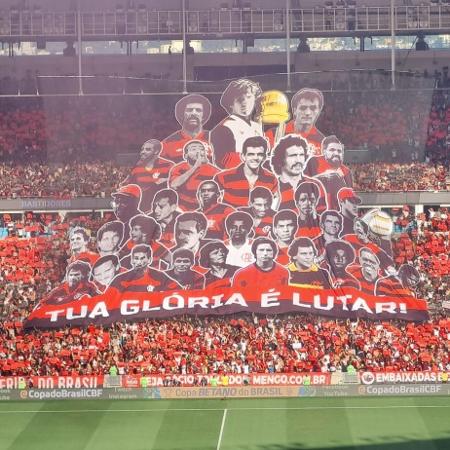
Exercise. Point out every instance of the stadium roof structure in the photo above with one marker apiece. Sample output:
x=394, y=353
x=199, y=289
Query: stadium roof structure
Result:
x=109, y=20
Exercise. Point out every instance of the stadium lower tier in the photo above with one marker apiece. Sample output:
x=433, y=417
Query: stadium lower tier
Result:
x=31, y=267
x=238, y=344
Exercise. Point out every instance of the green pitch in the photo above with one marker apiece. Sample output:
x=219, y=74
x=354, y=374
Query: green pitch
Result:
x=404, y=423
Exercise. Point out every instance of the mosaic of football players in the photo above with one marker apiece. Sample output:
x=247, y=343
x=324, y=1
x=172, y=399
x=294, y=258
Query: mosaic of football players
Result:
x=104, y=270
x=150, y=173
x=339, y=255
x=164, y=211
x=306, y=200
x=109, y=237
x=141, y=277
x=348, y=205
x=284, y=230
x=78, y=242
x=368, y=270
x=190, y=231
x=75, y=286
x=331, y=226
x=125, y=204
x=306, y=107
x=145, y=230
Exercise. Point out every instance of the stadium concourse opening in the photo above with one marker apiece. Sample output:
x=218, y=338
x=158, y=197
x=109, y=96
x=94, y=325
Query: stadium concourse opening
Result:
x=256, y=263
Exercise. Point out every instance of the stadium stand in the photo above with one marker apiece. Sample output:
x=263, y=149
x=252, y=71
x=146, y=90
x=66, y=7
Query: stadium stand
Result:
x=68, y=149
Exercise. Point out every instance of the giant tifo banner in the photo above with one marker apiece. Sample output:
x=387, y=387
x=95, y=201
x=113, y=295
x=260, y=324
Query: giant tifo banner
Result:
x=257, y=215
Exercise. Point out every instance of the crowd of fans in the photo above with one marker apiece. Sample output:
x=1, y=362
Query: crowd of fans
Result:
x=388, y=177
x=390, y=125
x=60, y=180
x=424, y=241
x=238, y=344
x=100, y=179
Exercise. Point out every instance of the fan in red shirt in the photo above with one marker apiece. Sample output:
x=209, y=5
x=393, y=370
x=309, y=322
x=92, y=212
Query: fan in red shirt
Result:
x=186, y=176
x=264, y=273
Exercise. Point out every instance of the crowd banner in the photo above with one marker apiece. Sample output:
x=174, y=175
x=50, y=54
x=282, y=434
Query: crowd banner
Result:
x=428, y=377
x=132, y=381
x=221, y=392
x=52, y=382
x=233, y=379
x=255, y=213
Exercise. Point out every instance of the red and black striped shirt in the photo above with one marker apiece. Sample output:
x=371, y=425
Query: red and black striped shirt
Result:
x=341, y=178
x=314, y=137
x=160, y=255
x=264, y=227
x=236, y=187
x=189, y=280
x=308, y=228
x=287, y=195
x=151, y=281
x=366, y=287
x=147, y=178
x=187, y=192
x=173, y=145
x=391, y=287
x=216, y=215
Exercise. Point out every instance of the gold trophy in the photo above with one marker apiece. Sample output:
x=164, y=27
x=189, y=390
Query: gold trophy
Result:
x=275, y=111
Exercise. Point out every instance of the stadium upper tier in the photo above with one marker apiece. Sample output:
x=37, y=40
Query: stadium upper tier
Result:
x=219, y=19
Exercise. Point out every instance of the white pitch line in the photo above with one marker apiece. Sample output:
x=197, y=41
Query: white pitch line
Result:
x=224, y=417
x=300, y=408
